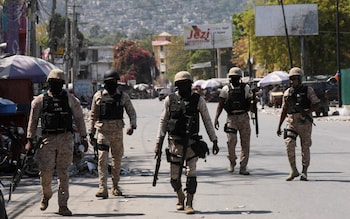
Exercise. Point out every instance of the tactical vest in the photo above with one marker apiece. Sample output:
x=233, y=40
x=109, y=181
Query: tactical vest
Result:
x=236, y=100
x=56, y=113
x=180, y=115
x=111, y=107
x=297, y=100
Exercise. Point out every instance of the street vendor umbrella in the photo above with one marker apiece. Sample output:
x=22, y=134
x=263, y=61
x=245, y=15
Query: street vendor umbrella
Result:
x=141, y=87
x=20, y=66
x=198, y=83
x=210, y=83
x=276, y=77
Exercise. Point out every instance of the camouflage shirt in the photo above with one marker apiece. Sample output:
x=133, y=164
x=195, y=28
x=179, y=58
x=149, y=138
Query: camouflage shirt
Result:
x=36, y=110
x=95, y=111
x=203, y=110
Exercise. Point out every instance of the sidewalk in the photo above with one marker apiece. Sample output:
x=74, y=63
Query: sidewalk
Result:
x=136, y=184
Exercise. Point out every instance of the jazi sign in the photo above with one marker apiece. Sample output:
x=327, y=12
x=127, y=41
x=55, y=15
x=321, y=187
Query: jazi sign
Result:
x=208, y=36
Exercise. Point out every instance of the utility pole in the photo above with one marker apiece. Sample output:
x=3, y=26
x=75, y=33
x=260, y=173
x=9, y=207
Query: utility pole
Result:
x=287, y=36
x=66, y=56
x=338, y=57
x=214, y=55
x=31, y=28
x=52, y=49
x=74, y=45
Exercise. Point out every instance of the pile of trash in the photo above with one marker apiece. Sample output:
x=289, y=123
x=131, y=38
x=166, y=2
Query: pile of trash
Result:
x=84, y=167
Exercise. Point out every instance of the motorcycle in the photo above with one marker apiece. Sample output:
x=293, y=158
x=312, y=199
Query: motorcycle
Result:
x=12, y=152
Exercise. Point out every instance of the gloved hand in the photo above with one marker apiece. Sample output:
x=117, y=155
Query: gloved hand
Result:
x=29, y=145
x=130, y=130
x=156, y=148
x=215, y=147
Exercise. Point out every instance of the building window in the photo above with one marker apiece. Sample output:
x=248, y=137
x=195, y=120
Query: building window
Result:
x=161, y=60
x=161, y=48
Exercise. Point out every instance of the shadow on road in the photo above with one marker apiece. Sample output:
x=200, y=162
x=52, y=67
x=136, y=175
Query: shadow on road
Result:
x=109, y=215
x=234, y=212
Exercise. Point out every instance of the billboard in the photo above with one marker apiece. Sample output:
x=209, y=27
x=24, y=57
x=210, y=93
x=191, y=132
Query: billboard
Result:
x=301, y=20
x=208, y=36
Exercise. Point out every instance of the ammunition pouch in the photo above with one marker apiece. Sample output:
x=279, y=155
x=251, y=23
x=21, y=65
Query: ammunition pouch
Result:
x=103, y=147
x=229, y=130
x=171, y=125
x=171, y=158
x=289, y=133
x=200, y=148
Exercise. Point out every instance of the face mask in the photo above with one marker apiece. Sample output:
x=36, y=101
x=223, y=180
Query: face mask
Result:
x=234, y=81
x=55, y=87
x=111, y=87
x=185, y=92
x=294, y=83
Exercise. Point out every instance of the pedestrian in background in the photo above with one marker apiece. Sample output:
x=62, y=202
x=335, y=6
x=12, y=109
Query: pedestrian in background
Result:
x=180, y=119
x=106, y=124
x=298, y=103
x=57, y=108
x=235, y=99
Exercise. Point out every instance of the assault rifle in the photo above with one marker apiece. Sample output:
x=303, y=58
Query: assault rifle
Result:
x=93, y=142
x=25, y=165
x=159, y=159
x=305, y=114
x=254, y=112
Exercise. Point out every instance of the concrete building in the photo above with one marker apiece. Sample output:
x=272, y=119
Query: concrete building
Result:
x=97, y=61
x=161, y=49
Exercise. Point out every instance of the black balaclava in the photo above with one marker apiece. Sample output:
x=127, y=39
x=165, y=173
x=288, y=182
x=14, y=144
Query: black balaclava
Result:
x=296, y=83
x=111, y=86
x=185, y=88
x=235, y=80
x=55, y=87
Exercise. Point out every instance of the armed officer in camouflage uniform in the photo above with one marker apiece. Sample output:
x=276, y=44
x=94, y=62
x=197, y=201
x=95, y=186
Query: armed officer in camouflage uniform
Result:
x=106, y=124
x=299, y=102
x=180, y=119
x=56, y=108
x=235, y=99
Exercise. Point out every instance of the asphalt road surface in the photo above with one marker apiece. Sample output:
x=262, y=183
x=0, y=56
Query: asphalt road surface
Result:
x=263, y=194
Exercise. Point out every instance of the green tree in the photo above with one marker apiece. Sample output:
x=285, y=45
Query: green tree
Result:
x=178, y=59
x=56, y=31
x=271, y=53
x=95, y=31
x=42, y=35
x=200, y=56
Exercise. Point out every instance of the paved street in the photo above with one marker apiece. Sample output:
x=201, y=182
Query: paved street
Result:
x=263, y=194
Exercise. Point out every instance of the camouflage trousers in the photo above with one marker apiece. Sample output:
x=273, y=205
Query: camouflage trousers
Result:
x=113, y=137
x=241, y=124
x=298, y=127
x=55, y=151
x=191, y=159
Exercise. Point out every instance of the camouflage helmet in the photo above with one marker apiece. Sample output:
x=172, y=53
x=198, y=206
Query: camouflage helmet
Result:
x=235, y=71
x=110, y=75
x=56, y=74
x=296, y=72
x=182, y=75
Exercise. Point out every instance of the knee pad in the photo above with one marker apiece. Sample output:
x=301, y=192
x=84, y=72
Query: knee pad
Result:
x=191, y=185
x=176, y=184
x=289, y=133
x=103, y=147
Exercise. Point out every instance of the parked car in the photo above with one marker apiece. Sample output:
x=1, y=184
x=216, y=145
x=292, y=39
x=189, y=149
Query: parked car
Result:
x=164, y=93
x=326, y=92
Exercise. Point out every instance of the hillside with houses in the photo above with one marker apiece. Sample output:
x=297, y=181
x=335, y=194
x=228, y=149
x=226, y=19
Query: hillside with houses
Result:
x=147, y=16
